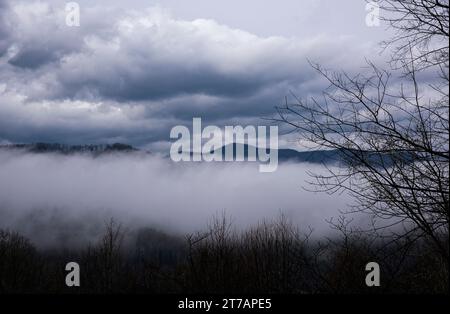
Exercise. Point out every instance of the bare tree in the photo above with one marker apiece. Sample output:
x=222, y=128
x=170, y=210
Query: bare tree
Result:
x=421, y=24
x=391, y=131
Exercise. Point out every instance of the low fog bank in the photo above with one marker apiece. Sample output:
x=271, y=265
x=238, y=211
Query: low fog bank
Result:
x=58, y=200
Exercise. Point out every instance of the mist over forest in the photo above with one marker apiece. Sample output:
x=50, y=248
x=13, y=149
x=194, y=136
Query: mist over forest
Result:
x=60, y=200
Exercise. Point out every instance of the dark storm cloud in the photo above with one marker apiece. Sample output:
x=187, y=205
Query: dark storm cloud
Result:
x=4, y=27
x=32, y=58
x=130, y=76
x=156, y=83
x=162, y=58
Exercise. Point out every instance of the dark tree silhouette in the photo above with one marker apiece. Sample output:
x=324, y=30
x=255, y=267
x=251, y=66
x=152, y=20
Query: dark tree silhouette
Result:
x=391, y=130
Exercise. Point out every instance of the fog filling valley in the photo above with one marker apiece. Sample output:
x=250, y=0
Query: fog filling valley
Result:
x=59, y=200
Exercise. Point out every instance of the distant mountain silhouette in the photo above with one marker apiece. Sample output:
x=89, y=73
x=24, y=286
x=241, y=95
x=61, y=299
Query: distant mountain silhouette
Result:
x=71, y=149
x=284, y=155
x=332, y=156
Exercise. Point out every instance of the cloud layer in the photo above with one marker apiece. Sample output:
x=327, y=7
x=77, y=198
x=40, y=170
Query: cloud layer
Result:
x=127, y=75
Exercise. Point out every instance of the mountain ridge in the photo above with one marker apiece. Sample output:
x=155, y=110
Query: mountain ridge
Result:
x=332, y=156
x=99, y=149
x=41, y=147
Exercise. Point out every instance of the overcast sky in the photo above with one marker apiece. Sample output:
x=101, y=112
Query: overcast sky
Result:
x=135, y=69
